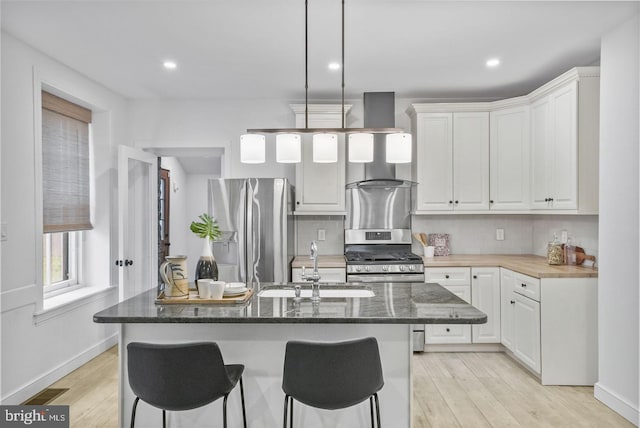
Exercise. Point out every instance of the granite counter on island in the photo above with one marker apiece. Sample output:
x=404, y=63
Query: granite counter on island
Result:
x=255, y=334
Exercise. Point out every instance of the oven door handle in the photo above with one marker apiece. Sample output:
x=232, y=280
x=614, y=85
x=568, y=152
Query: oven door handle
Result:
x=385, y=278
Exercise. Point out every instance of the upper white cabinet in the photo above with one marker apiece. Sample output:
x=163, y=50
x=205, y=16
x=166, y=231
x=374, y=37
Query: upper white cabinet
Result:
x=535, y=152
x=320, y=187
x=452, y=166
x=564, y=142
x=509, y=164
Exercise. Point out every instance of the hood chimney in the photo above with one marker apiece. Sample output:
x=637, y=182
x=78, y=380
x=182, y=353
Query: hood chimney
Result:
x=379, y=112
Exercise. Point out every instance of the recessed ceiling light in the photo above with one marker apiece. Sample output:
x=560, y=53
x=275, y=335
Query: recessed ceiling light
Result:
x=170, y=65
x=334, y=66
x=493, y=62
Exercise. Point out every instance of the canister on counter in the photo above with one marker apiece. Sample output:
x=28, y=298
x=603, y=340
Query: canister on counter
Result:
x=555, y=252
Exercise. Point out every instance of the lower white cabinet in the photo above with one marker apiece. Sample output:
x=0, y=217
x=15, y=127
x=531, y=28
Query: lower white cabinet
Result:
x=450, y=333
x=326, y=274
x=526, y=331
x=551, y=326
x=485, y=295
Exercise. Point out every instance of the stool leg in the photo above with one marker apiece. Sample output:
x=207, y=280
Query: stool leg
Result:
x=164, y=419
x=224, y=411
x=291, y=412
x=371, y=407
x=377, y=409
x=133, y=411
x=244, y=416
x=286, y=408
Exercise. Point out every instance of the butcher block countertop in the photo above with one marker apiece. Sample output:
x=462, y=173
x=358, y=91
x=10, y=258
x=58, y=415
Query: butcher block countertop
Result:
x=528, y=264
x=324, y=261
x=535, y=266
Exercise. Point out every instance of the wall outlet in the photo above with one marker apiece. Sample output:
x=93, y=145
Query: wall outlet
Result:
x=499, y=234
x=564, y=236
x=3, y=231
x=321, y=234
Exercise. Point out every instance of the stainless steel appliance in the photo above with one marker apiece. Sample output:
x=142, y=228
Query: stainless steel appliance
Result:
x=258, y=231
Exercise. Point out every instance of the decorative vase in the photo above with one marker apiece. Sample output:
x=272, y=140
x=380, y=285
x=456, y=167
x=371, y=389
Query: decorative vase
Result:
x=174, y=275
x=207, y=266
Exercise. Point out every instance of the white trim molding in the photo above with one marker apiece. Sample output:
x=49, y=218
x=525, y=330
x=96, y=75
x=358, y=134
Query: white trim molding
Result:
x=616, y=403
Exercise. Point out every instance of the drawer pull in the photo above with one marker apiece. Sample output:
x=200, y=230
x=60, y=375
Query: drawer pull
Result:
x=523, y=285
x=513, y=302
x=448, y=329
x=475, y=276
x=446, y=276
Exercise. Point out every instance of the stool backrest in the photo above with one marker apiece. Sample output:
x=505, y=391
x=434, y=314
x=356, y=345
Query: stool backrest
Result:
x=332, y=375
x=177, y=376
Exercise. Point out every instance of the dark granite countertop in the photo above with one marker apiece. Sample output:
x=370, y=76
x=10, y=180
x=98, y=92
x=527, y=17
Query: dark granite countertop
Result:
x=393, y=303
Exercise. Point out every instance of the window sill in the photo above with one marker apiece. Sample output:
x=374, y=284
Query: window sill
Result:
x=59, y=304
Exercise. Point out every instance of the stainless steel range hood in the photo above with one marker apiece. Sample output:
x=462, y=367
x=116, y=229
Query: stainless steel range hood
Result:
x=379, y=112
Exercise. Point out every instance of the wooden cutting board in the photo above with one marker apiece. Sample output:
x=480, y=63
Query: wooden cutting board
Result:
x=195, y=300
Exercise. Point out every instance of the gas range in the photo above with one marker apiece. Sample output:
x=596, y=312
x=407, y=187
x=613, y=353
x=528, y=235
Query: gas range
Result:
x=383, y=263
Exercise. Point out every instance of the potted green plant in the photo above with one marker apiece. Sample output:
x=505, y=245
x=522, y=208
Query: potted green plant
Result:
x=207, y=229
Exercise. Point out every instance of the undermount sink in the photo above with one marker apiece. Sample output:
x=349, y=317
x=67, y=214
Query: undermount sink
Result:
x=324, y=292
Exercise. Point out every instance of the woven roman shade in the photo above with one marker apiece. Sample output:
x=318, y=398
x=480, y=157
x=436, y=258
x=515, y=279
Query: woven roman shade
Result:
x=65, y=165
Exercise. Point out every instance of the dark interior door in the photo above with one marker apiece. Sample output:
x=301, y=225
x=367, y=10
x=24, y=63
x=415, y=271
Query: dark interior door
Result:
x=163, y=214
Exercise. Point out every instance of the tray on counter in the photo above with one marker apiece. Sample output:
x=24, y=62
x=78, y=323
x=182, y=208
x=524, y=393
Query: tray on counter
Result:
x=195, y=300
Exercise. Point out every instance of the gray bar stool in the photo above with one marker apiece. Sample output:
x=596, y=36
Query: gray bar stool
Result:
x=181, y=377
x=332, y=375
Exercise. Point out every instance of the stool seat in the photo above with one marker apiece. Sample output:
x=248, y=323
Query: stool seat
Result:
x=332, y=375
x=181, y=376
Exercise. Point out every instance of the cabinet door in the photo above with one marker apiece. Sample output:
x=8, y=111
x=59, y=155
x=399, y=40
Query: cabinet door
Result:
x=434, y=191
x=510, y=158
x=507, y=284
x=471, y=161
x=448, y=276
x=320, y=186
x=485, y=295
x=540, y=154
x=564, y=104
x=450, y=333
x=526, y=331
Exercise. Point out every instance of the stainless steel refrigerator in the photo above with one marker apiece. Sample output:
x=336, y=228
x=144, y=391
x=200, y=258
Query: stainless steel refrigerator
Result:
x=256, y=219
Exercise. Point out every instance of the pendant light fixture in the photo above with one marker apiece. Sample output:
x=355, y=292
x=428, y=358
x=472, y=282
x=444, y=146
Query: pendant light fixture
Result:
x=325, y=140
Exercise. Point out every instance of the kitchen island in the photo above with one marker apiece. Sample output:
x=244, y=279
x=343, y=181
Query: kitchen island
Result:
x=255, y=334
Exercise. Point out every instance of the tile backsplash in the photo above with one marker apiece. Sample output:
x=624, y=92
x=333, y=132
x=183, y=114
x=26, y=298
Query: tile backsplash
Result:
x=469, y=233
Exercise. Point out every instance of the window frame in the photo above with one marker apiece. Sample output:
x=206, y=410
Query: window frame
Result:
x=74, y=261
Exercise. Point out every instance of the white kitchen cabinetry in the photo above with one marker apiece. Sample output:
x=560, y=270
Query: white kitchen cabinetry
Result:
x=452, y=166
x=457, y=281
x=564, y=142
x=319, y=187
x=326, y=274
x=550, y=325
x=510, y=158
x=485, y=295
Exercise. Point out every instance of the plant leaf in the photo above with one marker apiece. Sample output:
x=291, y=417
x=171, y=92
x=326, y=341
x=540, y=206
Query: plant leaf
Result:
x=207, y=227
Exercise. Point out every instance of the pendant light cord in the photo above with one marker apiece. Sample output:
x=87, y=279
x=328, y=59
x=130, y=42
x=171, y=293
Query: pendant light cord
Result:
x=306, y=65
x=342, y=65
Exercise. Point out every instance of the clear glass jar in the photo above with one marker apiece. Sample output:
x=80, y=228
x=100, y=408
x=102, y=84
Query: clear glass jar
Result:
x=569, y=253
x=555, y=252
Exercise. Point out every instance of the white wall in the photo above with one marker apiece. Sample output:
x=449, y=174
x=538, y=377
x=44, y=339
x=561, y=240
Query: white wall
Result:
x=619, y=277
x=33, y=355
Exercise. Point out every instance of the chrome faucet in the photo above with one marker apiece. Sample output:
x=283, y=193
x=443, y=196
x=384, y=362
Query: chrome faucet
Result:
x=315, y=276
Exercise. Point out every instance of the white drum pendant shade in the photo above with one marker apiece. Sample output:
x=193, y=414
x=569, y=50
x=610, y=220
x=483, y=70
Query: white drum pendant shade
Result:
x=325, y=148
x=399, y=148
x=288, y=148
x=360, y=148
x=252, y=148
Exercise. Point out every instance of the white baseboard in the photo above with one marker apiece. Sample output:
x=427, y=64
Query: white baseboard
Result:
x=616, y=403
x=32, y=388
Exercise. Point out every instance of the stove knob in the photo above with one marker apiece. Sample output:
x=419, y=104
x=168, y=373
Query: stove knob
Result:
x=385, y=268
x=358, y=268
x=412, y=268
x=402, y=268
x=366, y=268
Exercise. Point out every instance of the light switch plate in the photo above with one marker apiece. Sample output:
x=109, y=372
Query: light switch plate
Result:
x=321, y=234
x=499, y=234
x=3, y=231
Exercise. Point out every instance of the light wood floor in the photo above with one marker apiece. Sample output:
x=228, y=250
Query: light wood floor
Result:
x=451, y=390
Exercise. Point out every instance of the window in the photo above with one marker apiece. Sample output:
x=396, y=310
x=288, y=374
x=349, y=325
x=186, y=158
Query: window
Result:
x=65, y=190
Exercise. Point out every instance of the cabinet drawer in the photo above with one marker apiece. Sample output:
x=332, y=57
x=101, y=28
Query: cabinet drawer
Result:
x=447, y=333
x=448, y=276
x=527, y=286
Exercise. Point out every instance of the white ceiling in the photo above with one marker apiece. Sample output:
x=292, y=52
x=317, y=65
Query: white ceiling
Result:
x=255, y=48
